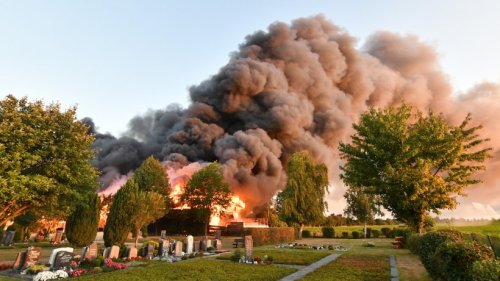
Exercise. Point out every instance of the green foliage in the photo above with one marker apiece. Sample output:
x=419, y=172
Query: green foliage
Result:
x=345, y=234
x=147, y=206
x=328, y=232
x=387, y=232
x=355, y=235
x=207, y=191
x=453, y=260
x=486, y=270
x=413, y=167
x=429, y=242
x=302, y=200
x=45, y=159
x=306, y=233
x=361, y=205
x=271, y=235
x=375, y=233
x=119, y=221
x=151, y=176
x=82, y=224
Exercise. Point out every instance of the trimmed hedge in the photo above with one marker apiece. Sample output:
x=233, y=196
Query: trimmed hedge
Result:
x=328, y=232
x=429, y=242
x=271, y=235
x=454, y=260
x=485, y=270
x=387, y=232
x=306, y=233
x=355, y=235
x=375, y=233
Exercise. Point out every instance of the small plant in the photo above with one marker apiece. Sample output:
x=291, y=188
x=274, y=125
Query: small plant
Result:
x=257, y=260
x=34, y=269
x=192, y=256
x=306, y=233
x=328, y=232
x=114, y=265
x=237, y=254
x=355, y=235
x=345, y=234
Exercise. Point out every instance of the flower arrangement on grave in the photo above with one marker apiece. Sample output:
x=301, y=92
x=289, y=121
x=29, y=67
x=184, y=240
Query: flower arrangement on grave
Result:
x=34, y=269
x=257, y=260
x=49, y=275
x=78, y=272
x=268, y=259
x=4, y=266
x=115, y=265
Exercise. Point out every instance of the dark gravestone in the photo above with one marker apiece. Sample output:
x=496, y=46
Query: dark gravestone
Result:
x=32, y=256
x=8, y=237
x=196, y=246
x=203, y=245
x=21, y=257
x=163, y=247
x=63, y=260
x=58, y=236
x=163, y=234
x=90, y=252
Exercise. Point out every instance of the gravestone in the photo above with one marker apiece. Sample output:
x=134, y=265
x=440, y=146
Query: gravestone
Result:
x=32, y=256
x=163, y=234
x=203, y=245
x=178, y=249
x=163, y=247
x=218, y=234
x=89, y=252
x=8, y=237
x=62, y=260
x=209, y=244
x=3, y=238
x=218, y=244
x=114, y=252
x=105, y=254
x=189, y=244
x=21, y=257
x=248, y=248
x=131, y=252
x=57, y=250
x=197, y=246
x=150, y=250
x=58, y=236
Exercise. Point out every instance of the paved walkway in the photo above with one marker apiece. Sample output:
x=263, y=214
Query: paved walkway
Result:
x=310, y=268
x=394, y=269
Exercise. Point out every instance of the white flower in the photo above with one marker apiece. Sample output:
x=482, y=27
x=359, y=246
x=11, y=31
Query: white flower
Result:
x=49, y=275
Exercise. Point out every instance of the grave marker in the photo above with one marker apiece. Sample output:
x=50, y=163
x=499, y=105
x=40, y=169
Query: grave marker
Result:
x=21, y=257
x=8, y=237
x=163, y=247
x=62, y=260
x=163, y=234
x=150, y=249
x=218, y=244
x=197, y=246
x=131, y=252
x=189, y=244
x=178, y=249
x=248, y=247
x=203, y=245
x=32, y=256
x=218, y=234
x=90, y=252
x=114, y=252
x=58, y=236
x=57, y=250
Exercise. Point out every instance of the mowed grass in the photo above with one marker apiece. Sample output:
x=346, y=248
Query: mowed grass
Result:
x=492, y=229
x=286, y=256
x=197, y=269
x=351, y=228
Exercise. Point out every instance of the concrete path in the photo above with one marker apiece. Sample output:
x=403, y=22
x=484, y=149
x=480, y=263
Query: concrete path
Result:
x=310, y=268
x=394, y=269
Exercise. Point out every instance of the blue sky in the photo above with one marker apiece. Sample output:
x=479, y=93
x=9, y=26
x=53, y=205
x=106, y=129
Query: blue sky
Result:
x=117, y=59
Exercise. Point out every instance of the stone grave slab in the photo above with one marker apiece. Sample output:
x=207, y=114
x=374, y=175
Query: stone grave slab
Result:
x=32, y=256
x=114, y=252
x=55, y=251
x=189, y=244
x=248, y=247
x=178, y=249
x=89, y=252
x=131, y=252
x=62, y=260
x=203, y=245
x=19, y=262
x=218, y=234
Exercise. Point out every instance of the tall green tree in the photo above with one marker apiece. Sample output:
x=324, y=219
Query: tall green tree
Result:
x=149, y=206
x=82, y=224
x=302, y=200
x=414, y=163
x=361, y=206
x=208, y=192
x=122, y=211
x=151, y=176
x=44, y=159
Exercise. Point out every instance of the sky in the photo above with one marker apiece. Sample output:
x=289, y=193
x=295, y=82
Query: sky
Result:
x=118, y=59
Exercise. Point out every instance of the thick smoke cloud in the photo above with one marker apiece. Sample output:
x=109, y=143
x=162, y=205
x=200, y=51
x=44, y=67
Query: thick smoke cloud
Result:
x=293, y=88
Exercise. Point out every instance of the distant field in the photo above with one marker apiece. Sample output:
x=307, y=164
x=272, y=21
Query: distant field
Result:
x=492, y=229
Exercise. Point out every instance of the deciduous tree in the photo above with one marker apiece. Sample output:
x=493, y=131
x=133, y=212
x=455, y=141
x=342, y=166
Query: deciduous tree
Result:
x=414, y=163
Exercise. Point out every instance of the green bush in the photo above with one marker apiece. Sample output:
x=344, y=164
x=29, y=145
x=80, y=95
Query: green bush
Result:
x=485, y=270
x=118, y=223
x=237, y=254
x=387, y=232
x=402, y=232
x=429, y=242
x=328, y=232
x=453, y=260
x=375, y=233
x=81, y=225
x=271, y=235
x=413, y=243
x=355, y=235
x=368, y=232
x=345, y=234
x=306, y=233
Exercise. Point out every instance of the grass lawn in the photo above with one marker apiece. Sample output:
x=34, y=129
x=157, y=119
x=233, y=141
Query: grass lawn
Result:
x=197, y=269
x=286, y=256
x=492, y=229
x=351, y=228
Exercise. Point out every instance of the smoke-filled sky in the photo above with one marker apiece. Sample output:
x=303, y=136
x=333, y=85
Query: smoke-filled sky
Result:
x=295, y=85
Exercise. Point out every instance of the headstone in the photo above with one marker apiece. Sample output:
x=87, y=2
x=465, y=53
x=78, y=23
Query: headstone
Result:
x=189, y=244
x=178, y=249
x=218, y=234
x=4, y=235
x=131, y=252
x=150, y=249
x=197, y=246
x=203, y=245
x=58, y=236
x=248, y=247
x=21, y=257
x=163, y=234
x=218, y=244
x=62, y=260
x=114, y=253
x=32, y=256
x=209, y=244
x=8, y=237
x=89, y=252
x=163, y=247
x=106, y=252
x=55, y=251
